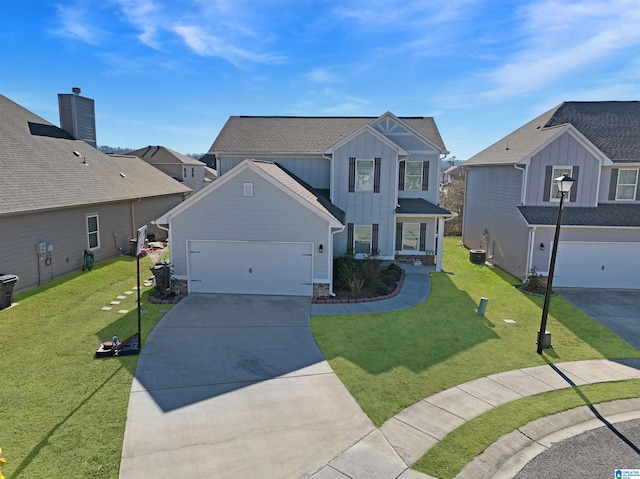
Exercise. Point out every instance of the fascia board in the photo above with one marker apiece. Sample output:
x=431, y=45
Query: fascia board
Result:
x=412, y=130
x=253, y=154
x=367, y=128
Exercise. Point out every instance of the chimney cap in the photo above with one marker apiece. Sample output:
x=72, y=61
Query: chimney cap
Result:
x=76, y=90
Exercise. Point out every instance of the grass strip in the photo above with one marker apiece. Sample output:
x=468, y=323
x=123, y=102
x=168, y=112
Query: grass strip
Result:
x=388, y=361
x=62, y=411
x=447, y=458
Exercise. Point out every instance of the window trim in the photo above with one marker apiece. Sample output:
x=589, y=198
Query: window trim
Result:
x=417, y=239
x=635, y=185
x=355, y=239
x=407, y=175
x=372, y=176
x=90, y=233
x=552, y=198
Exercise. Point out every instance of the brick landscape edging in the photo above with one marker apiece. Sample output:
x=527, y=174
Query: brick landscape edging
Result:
x=363, y=300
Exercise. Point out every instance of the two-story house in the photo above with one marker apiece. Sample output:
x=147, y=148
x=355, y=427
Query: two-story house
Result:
x=294, y=192
x=511, y=200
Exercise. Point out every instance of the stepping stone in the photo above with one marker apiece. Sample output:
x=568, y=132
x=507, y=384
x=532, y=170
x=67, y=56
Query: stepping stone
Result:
x=114, y=302
x=121, y=297
x=128, y=292
x=123, y=311
x=509, y=321
x=144, y=311
x=148, y=283
x=163, y=311
x=106, y=308
x=134, y=288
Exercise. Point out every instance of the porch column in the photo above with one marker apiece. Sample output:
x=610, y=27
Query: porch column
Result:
x=439, y=248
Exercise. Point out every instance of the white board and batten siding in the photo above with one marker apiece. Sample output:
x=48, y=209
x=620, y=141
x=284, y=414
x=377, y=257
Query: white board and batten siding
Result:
x=597, y=265
x=250, y=267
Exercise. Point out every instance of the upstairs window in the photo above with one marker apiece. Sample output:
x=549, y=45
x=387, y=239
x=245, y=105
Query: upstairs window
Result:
x=93, y=233
x=627, y=184
x=557, y=172
x=413, y=175
x=364, y=175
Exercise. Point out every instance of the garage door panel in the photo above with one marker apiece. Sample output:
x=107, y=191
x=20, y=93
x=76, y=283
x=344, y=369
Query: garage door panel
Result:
x=250, y=267
x=597, y=265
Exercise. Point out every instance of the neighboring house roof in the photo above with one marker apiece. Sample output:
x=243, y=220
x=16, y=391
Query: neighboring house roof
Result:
x=419, y=206
x=602, y=215
x=161, y=155
x=296, y=134
x=612, y=127
x=43, y=168
x=295, y=187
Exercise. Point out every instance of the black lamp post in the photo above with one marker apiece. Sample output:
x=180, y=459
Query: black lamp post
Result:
x=564, y=186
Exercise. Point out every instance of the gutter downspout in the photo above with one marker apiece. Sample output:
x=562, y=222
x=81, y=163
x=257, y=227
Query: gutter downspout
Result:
x=331, y=293
x=524, y=182
x=532, y=242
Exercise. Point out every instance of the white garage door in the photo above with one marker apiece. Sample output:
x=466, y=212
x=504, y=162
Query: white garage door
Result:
x=597, y=265
x=248, y=267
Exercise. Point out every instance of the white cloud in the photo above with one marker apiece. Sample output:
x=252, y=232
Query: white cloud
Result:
x=145, y=15
x=76, y=24
x=563, y=38
x=205, y=44
x=322, y=75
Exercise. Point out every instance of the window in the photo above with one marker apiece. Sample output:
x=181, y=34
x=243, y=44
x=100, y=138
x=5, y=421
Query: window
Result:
x=410, y=236
x=557, y=172
x=93, y=235
x=185, y=173
x=413, y=175
x=193, y=172
x=364, y=175
x=362, y=239
x=627, y=184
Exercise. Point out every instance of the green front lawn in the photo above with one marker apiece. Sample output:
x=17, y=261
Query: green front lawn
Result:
x=63, y=412
x=388, y=361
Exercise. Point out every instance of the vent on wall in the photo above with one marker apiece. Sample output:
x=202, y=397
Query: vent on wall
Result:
x=247, y=189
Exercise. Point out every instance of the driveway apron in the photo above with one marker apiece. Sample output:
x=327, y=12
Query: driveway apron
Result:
x=234, y=386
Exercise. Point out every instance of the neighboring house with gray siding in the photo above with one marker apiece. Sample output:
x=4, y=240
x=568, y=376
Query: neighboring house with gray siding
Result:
x=60, y=196
x=511, y=201
x=358, y=185
x=193, y=173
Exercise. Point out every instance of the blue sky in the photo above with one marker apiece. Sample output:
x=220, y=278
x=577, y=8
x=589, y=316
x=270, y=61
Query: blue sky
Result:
x=170, y=72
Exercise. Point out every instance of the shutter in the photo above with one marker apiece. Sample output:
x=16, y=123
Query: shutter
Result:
x=401, y=176
x=349, y=238
x=548, y=173
x=638, y=186
x=425, y=175
x=376, y=175
x=573, y=194
x=374, y=239
x=399, y=236
x=352, y=174
x=423, y=236
x=613, y=184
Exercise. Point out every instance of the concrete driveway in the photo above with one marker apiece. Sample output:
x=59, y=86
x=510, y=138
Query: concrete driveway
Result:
x=234, y=386
x=617, y=309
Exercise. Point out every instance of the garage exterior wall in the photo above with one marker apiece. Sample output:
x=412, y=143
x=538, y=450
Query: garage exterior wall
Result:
x=269, y=215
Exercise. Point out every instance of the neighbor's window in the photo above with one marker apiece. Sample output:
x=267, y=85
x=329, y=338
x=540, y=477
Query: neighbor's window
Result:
x=413, y=175
x=557, y=172
x=93, y=235
x=362, y=239
x=410, y=236
x=627, y=184
x=364, y=175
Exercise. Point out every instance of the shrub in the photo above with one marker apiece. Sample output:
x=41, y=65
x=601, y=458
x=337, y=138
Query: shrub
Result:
x=381, y=288
x=394, y=267
x=390, y=279
x=355, y=285
x=370, y=270
x=534, y=282
x=344, y=266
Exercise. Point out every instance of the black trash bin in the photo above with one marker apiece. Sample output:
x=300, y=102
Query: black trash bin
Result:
x=7, y=282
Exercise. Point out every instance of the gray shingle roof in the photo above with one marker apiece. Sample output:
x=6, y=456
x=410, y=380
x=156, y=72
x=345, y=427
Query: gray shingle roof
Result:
x=613, y=127
x=158, y=155
x=40, y=171
x=602, y=215
x=287, y=134
x=300, y=188
x=419, y=206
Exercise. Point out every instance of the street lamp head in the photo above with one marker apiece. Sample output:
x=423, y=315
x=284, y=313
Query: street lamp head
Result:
x=565, y=182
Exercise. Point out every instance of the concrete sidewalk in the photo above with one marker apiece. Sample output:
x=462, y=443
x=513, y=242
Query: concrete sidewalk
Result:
x=389, y=452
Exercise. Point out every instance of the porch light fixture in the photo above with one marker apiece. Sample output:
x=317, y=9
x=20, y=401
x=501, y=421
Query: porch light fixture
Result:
x=564, y=183
x=320, y=249
x=541, y=246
